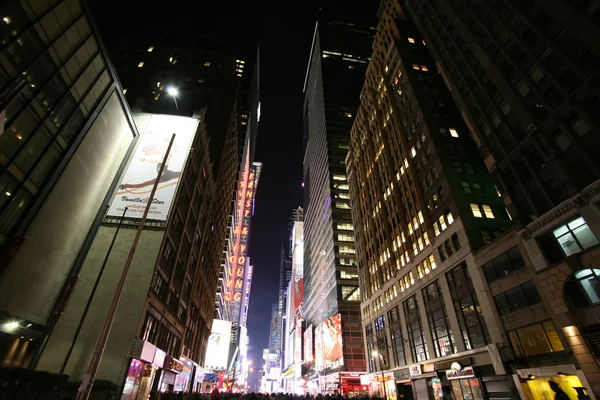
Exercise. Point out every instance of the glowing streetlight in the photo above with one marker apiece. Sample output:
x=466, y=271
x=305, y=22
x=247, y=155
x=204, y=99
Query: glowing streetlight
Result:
x=172, y=91
x=374, y=353
x=11, y=326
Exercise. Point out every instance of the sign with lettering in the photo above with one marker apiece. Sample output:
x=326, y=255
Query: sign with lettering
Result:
x=466, y=372
x=237, y=260
x=415, y=370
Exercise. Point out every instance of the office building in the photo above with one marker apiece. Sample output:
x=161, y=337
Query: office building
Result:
x=284, y=278
x=337, y=63
x=67, y=134
x=422, y=202
x=161, y=331
x=524, y=75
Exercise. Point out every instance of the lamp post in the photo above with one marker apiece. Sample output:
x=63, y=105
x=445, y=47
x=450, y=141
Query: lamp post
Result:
x=173, y=92
x=375, y=353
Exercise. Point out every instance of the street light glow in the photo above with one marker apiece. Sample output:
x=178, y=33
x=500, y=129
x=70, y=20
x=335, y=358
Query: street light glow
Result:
x=12, y=325
x=374, y=353
x=172, y=91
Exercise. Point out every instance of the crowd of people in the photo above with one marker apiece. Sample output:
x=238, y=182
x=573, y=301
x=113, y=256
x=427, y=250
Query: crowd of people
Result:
x=217, y=395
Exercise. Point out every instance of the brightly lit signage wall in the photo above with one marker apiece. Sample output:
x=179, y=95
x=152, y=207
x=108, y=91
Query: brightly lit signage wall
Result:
x=238, y=258
x=217, y=350
x=319, y=346
x=333, y=355
x=140, y=176
x=308, y=345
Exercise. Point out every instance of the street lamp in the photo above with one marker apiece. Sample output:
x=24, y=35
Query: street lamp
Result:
x=374, y=354
x=172, y=91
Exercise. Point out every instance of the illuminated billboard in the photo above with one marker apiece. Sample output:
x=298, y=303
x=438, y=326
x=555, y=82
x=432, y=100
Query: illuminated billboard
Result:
x=319, y=347
x=238, y=258
x=298, y=342
x=140, y=176
x=308, y=345
x=333, y=354
x=217, y=349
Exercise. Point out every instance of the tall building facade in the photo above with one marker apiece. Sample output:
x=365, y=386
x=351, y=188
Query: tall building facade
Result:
x=422, y=202
x=284, y=274
x=336, y=68
x=67, y=134
x=524, y=75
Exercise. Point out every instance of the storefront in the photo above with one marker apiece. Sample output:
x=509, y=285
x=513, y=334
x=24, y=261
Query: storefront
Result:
x=382, y=384
x=535, y=383
x=464, y=383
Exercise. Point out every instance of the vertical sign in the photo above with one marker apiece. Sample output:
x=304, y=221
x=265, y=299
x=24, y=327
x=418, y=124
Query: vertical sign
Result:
x=237, y=259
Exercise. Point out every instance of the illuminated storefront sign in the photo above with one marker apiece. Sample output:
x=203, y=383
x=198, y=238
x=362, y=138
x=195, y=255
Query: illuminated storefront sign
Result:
x=457, y=372
x=237, y=259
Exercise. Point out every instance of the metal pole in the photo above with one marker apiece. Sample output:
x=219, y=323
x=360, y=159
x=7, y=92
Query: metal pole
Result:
x=383, y=379
x=89, y=302
x=87, y=381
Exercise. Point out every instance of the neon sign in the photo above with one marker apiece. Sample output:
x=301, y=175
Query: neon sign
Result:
x=237, y=260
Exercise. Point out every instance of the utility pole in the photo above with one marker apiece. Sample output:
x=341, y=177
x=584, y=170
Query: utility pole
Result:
x=85, y=388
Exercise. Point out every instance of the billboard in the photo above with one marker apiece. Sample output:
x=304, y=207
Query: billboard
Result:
x=217, y=349
x=333, y=354
x=140, y=176
x=298, y=342
x=308, y=345
x=319, y=347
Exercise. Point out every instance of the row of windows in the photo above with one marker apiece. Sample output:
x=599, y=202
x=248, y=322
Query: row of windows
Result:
x=517, y=298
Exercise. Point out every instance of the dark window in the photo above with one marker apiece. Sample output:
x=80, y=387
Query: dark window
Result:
x=517, y=298
x=466, y=305
x=416, y=335
x=503, y=264
x=397, y=339
x=439, y=325
x=583, y=288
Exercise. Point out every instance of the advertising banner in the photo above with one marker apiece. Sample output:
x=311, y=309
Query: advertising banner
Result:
x=308, y=345
x=333, y=355
x=298, y=343
x=139, y=178
x=319, y=347
x=217, y=350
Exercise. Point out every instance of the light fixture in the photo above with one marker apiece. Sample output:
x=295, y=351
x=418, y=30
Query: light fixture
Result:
x=530, y=376
x=6, y=19
x=8, y=193
x=172, y=91
x=11, y=326
x=374, y=353
x=561, y=374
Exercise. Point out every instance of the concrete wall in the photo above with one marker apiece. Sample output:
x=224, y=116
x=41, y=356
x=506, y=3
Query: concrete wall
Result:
x=129, y=313
x=56, y=235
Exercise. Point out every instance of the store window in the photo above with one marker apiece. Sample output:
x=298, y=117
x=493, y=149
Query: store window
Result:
x=416, y=334
x=583, y=288
x=467, y=389
x=439, y=325
x=470, y=317
x=535, y=339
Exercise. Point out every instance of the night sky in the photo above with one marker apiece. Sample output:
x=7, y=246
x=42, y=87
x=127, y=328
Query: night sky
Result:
x=284, y=33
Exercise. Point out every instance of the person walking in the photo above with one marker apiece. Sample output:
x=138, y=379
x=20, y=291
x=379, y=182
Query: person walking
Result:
x=560, y=394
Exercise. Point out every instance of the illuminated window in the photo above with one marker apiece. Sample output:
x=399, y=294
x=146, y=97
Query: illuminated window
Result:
x=476, y=211
x=150, y=49
x=453, y=132
x=575, y=236
x=339, y=177
x=442, y=223
x=411, y=40
x=436, y=229
x=508, y=213
x=141, y=64
x=345, y=238
x=348, y=115
x=207, y=63
x=415, y=66
x=449, y=218
x=488, y=211
x=424, y=68
x=413, y=151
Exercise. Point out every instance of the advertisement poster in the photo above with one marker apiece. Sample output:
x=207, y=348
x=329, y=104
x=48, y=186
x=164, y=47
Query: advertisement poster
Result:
x=298, y=342
x=319, y=347
x=217, y=349
x=333, y=355
x=140, y=176
x=308, y=345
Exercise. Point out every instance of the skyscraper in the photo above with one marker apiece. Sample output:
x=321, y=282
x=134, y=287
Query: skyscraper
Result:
x=422, y=202
x=525, y=77
x=67, y=134
x=336, y=68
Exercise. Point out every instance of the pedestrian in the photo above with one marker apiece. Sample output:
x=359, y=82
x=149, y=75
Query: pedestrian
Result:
x=560, y=395
x=215, y=395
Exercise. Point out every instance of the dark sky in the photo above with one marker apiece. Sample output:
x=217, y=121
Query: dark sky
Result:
x=284, y=32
